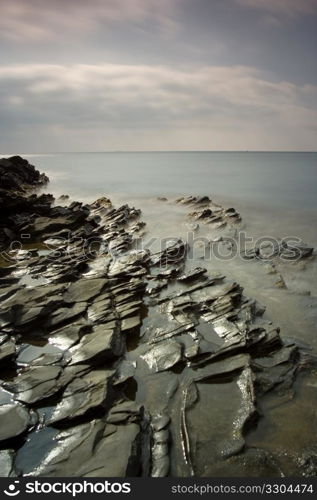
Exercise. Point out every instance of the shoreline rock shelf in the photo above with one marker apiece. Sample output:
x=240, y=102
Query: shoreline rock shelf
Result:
x=118, y=362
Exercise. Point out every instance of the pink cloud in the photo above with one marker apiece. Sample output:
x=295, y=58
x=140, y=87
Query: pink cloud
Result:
x=32, y=20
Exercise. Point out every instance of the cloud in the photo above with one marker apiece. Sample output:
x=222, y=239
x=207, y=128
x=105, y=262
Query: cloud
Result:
x=86, y=102
x=32, y=20
x=290, y=8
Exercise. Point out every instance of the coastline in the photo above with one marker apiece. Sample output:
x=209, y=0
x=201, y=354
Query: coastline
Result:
x=141, y=351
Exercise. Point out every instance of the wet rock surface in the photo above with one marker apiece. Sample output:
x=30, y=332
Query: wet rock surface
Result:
x=116, y=361
x=15, y=419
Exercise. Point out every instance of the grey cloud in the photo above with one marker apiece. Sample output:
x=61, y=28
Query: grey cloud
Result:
x=85, y=102
x=285, y=7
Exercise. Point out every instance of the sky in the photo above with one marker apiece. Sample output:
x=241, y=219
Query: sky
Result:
x=104, y=75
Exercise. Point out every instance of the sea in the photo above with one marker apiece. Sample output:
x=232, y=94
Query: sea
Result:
x=277, y=192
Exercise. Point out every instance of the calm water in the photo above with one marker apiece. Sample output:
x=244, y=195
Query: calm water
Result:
x=276, y=192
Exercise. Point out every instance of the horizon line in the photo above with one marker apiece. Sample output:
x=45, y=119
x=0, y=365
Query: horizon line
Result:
x=162, y=151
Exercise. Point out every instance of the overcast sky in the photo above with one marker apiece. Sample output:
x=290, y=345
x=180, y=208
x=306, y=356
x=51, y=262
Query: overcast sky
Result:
x=98, y=75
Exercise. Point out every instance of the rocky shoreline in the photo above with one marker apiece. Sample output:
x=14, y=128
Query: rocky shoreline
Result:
x=116, y=361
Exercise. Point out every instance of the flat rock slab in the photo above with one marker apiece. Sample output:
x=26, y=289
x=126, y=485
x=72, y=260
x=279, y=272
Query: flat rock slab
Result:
x=163, y=356
x=15, y=419
x=130, y=323
x=124, y=411
x=104, y=342
x=38, y=295
x=84, y=290
x=214, y=424
x=35, y=383
x=117, y=453
x=68, y=336
x=223, y=367
x=66, y=314
x=40, y=356
x=192, y=274
x=50, y=225
x=88, y=391
x=100, y=311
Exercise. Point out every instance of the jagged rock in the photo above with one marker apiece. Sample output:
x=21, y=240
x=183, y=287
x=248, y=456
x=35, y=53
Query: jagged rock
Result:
x=280, y=283
x=15, y=419
x=202, y=284
x=131, y=263
x=160, y=445
x=283, y=355
x=103, y=343
x=41, y=295
x=102, y=202
x=84, y=290
x=295, y=251
x=64, y=315
x=174, y=252
x=69, y=335
x=171, y=272
x=125, y=371
x=7, y=348
x=123, y=412
x=16, y=172
x=222, y=368
x=50, y=225
x=155, y=286
x=192, y=274
x=101, y=311
x=35, y=383
x=89, y=391
x=40, y=356
x=161, y=334
x=7, y=291
x=194, y=200
x=163, y=356
x=130, y=323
